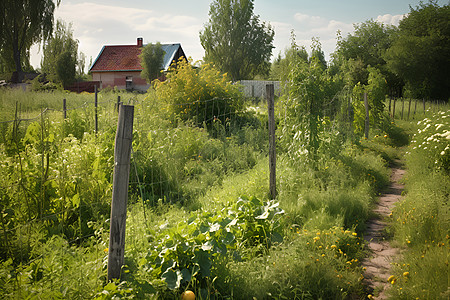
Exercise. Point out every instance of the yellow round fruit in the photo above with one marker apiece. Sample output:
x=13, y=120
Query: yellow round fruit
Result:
x=188, y=295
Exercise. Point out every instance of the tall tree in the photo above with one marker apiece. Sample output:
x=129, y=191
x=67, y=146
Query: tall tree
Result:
x=365, y=47
x=420, y=52
x=236, y=41
x=61, y=43
x=23, y=23
x=152, y=57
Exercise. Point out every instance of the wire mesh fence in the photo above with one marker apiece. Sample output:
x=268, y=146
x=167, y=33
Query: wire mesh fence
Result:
x=57, y=178
x=56, y=171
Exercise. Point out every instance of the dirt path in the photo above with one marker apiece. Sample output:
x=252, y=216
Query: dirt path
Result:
x=378, y=262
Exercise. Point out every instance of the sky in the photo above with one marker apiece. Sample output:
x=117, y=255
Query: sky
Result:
x=96, y=23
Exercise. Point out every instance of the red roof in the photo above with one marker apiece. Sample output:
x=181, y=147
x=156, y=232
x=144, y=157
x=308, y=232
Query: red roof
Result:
x=118, y=58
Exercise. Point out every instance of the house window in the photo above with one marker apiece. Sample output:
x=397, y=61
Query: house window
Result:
x=129, y=82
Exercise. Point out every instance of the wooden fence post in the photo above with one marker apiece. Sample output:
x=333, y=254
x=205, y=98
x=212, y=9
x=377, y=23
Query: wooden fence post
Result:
x=367, y=122
x=415, y=108
x=96, y=110
x=64, y=109
x=272, y=152
x=409, y=108
x=122, y=156
x=403, y=107
x=117, y=104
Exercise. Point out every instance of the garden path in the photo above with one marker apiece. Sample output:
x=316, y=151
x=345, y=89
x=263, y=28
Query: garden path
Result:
x=378, y=263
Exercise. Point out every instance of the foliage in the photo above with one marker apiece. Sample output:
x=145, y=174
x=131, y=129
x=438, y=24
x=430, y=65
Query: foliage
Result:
x=418, y=53
x=235, y=40
x=376, y=91
x=187, y=254
x=65, y=68
x=281, y=66
x=60, y=55
x=152, y=56
x=23, y=23
x=202, y=95
x=310, y=90
x=364, y=48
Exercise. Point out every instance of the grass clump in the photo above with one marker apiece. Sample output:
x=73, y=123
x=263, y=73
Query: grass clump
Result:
x=420, y=221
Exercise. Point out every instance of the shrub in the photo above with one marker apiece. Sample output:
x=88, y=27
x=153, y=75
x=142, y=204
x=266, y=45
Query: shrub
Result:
x=200, y=95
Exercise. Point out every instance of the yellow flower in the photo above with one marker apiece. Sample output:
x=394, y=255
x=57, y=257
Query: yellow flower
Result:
x=370, y=296
x=391, y=278
x=105, y=250
x=405, y=274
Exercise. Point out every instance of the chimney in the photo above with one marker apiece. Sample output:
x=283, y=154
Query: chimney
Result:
x=140, y=42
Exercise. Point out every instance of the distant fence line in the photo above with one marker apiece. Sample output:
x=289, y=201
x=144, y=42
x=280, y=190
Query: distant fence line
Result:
x=408, y=108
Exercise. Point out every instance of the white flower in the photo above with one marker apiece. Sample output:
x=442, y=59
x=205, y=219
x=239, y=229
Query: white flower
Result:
x=443, y=153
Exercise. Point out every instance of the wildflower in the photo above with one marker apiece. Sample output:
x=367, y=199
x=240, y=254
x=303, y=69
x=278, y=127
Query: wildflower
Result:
x=405, y=274
x=105, y=250
x=391, y=278
x=354, y=234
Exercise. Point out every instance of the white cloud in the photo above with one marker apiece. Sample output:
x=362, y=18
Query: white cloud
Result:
x=306, y=27
x=96, y=25
x=312, y=21
x=390, y=19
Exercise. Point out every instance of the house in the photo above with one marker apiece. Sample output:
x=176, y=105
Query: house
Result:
x=120, y=66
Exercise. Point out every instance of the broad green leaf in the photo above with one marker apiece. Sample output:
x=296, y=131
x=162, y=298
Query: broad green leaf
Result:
x=228, y=239
x=204, y=261
x=76, y=200
x=186, y=275
x=172, y=279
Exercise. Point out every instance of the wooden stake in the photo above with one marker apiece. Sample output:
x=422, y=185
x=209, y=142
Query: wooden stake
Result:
x=64, y=109
x=122, y=156
x=272, y=145
x=409, y=107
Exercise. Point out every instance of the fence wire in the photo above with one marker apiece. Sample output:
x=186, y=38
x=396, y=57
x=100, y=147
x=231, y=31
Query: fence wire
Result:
x=44, y=196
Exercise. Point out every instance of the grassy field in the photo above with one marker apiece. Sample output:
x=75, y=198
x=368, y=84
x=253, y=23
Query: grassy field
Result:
x=200, y=216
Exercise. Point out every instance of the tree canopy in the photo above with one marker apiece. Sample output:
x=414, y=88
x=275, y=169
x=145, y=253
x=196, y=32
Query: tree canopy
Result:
x=23, y=23
x=60, y=54
x=236, y=41
x=420, y=51
x=152, y=57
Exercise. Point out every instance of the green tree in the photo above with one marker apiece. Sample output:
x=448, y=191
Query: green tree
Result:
x=365, y=47
x=23, y=23
x=152, y=58
x=60, y=54
x=65, y=68
x=236, y=41
x=420, y=51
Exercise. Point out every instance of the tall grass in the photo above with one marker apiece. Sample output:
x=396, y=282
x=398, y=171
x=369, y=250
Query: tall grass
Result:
x=420, y=221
